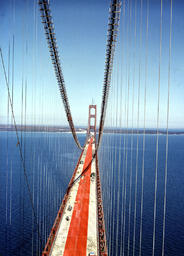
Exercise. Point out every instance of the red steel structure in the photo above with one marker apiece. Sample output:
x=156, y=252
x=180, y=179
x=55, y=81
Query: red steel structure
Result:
x=92, y=120
x=79, y=227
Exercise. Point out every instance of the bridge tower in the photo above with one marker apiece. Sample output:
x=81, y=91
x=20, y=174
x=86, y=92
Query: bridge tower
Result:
x=92, y=120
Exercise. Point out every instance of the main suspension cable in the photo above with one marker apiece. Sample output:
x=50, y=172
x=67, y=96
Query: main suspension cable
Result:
x=52, y=44
x=114, y=17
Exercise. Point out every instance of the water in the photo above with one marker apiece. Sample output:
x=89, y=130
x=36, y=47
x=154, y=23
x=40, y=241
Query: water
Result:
x=50, y=160
x=118, y=148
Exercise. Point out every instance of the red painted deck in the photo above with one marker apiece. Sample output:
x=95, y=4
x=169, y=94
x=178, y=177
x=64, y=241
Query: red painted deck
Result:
x=77, y=235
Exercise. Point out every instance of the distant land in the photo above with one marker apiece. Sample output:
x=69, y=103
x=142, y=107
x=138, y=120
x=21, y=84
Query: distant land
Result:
x=64, y=129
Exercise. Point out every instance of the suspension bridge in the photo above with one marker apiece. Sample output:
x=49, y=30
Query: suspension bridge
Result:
x=83, y=231
x=112, y=205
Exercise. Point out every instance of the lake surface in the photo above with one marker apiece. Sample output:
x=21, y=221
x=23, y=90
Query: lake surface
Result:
x=50, y=160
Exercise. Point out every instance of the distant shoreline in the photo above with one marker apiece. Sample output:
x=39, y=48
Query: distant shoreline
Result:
x=31, y=128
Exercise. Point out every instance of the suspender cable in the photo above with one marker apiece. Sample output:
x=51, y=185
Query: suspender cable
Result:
x=52, y=44
x=157, y=137
x=144, y=133
x=166, y=159
x=114, y=17
x=20, y=150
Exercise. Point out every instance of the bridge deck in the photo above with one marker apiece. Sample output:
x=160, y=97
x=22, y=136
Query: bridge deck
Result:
x=77, y=231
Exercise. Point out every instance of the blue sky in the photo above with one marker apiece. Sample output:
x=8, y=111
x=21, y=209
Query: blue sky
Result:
x=81, y=28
